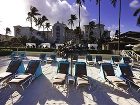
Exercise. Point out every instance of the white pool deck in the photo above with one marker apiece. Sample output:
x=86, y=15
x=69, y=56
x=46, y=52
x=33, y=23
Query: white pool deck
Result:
x=41, y=91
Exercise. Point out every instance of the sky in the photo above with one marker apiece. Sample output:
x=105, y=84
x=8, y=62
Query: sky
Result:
x=14, y=12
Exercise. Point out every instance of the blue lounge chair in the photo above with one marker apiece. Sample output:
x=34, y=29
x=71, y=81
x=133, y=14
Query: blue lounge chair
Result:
x=115, y=60
x=43, y=57
x=125, y=71
x=33, y=70
x=74, y=58
x=81, y=75
x=126, y=60
x=14, y=55
x=22, y=55
x=89, y=60
x=51, y=59
x=98, y=59
x=15, y=66
x=108, y=75
x=62, y=72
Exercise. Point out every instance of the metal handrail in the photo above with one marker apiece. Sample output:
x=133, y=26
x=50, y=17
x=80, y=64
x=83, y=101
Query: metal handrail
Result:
x=131, y=54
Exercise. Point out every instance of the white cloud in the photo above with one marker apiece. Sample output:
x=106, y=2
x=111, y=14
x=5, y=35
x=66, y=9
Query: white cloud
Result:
x=14, y=12
x=113, y=29
x=134, y=4
x=59, y=10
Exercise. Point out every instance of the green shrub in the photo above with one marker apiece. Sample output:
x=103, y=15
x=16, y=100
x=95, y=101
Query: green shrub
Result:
x=100, y=51
x=29, y=49
x=5, y=52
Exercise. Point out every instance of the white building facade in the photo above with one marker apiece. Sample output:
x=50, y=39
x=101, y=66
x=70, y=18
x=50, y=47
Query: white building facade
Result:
x=95, y=31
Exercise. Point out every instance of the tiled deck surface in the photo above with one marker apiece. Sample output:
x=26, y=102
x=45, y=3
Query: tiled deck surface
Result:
x=41, y=92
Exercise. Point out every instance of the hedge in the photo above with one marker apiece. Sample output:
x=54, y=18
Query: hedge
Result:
x=31, y=49
x=100, y=52
x=5, y=52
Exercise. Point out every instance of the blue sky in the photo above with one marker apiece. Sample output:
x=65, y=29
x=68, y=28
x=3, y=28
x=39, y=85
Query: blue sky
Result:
x=60, y=10
x=109, y=14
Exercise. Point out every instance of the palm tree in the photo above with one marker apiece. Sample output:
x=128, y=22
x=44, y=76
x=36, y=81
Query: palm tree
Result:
x=98, y=2
x=47, y=26
x=32, y=15
x=136, y=14
x=42, y=22
x=79, y=2
x=72, y=19
x=91, y=26
x=113, y=2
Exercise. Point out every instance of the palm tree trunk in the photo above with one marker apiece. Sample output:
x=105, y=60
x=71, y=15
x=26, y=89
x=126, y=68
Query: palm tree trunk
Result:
x=120, y=9
x=79, y=22
x=79, y=15
x=31, y=25
x=47, y=34
x=100, y=46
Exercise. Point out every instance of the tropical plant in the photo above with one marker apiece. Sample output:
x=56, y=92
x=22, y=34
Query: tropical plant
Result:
x=136, y=14
x=47, y=26
x=114, y=2
x=72, y=19
x=79, y=2
x=32, y=16
x=91, y=34
x=41, y=22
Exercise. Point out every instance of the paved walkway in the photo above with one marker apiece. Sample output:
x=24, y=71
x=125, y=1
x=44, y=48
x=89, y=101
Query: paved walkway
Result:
x=41, y=92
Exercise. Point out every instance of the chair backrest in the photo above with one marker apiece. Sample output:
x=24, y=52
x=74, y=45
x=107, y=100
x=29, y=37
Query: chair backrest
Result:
x=108, y=69
x=89, y=57
x=126, y=70
x=43, y=56
x=22, y=54
x=53, y=57
x=98, y=58
x=75, y=57
x=80, y=69
x=115, y=58
x=63, y=67
x=32, y=66
x=126, y=60
x=13, y=66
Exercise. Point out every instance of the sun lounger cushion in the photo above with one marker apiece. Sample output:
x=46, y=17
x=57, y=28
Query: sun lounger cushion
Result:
x=60, y=75
x=59, y=81
x=89, y=57
x=22, y=76
x=98, y=58
x=13, y=66
x=108, y=69
x=63, y=67
x=80, y=69
x=126, y=70
x=82, y=81
x=5, y=74
x=90, y=62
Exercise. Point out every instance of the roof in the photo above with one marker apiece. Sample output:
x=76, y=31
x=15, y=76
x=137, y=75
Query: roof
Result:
x=131, y=34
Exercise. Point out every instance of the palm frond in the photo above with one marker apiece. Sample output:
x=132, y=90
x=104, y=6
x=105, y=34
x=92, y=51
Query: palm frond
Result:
x=138, y=21
x=113, y=2
x=97, y=2
x=136, y=12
